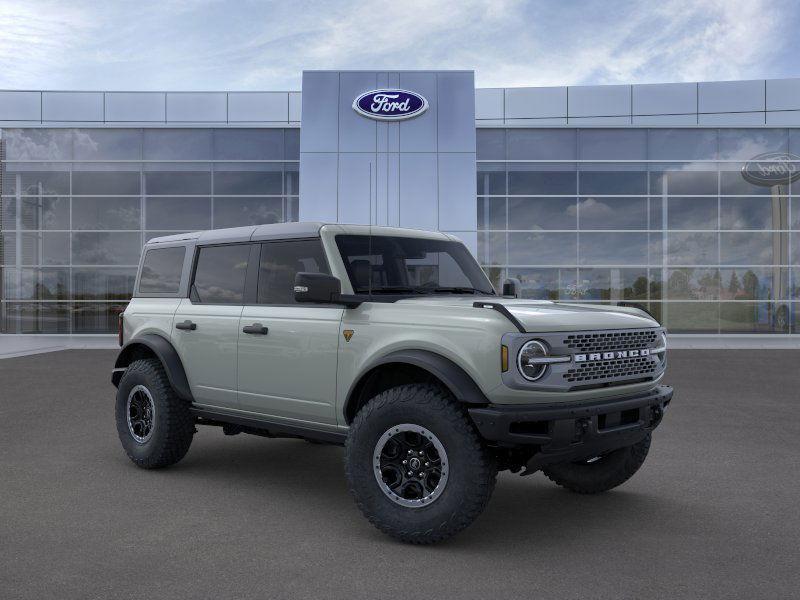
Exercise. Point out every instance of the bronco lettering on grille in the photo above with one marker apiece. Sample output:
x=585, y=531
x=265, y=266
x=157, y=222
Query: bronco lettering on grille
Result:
x=611, y=355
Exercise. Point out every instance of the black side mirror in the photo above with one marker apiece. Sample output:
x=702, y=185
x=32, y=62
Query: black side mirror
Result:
x=511, y=287
x=317, y=287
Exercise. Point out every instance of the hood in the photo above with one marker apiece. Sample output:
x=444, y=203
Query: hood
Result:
x=543, y=315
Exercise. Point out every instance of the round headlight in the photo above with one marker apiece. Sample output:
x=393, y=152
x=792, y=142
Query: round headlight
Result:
x=531, y=350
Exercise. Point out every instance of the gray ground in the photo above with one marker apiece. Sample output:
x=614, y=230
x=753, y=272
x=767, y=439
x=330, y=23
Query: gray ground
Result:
x=712, y=514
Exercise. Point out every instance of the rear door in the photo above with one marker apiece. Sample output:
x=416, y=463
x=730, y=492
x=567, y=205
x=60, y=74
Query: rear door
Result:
x=206, y=325
x=288, y=351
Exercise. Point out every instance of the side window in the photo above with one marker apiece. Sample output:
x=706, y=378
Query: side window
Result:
x=280, y=262
x=220, y=274
x=161, y=271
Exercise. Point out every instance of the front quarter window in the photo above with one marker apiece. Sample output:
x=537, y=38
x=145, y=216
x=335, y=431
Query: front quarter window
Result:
x=403, y=265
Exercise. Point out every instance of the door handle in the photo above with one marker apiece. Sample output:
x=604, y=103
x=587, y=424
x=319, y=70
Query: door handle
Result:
x=187, y=325
x=256, y=328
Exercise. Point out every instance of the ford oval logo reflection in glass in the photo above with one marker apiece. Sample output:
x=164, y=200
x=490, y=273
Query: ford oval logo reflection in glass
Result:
x=772, y=168
x=390, y=105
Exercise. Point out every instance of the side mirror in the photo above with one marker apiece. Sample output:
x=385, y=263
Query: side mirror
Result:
x=511, y=287
x=317, y=287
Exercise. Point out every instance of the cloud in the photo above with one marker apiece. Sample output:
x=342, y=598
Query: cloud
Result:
x=212, y=44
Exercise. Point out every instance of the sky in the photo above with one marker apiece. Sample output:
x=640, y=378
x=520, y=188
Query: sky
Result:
x=261, y=45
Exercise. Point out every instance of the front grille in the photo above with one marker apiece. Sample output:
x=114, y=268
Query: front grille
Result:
x=613, y=340
x=617, y=368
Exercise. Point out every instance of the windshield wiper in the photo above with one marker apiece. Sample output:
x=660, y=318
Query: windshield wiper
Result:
x=456, y=290
x=390, y=289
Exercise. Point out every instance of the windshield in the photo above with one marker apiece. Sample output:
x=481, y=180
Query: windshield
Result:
x=401, y=265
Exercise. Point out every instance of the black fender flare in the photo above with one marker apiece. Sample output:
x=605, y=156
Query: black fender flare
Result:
x=165, y=352
x=458, y=381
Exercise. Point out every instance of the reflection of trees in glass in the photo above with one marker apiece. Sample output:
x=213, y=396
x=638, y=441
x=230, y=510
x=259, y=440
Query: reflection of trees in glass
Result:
x=750, y=285
x=734, y=286
x=693, y=284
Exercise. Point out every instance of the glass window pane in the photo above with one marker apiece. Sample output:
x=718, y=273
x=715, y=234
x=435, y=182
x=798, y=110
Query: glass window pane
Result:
x=754, y=283
x=45, y=212
x=8, y=213
x=251, y=183
x=220, y=274
x=292, y=210
x=178, y=144
x=684, y=183
x=106, y=213
x=682, y=144
x=235, y=212
x=745, y=144
x=613, y=249
x=491, y=248
x=178, y=214
x=492, y=213
x=36, y=284
x=38, y=144
x=103, y=284
x=490, y=144
x=746, y=317
x=177, y=183
x=612, y=213
x=291, y=143
x=692, y=213
x=280, y=262
x=102, y=248
x=491, y=179
x=541, y=144
x=47, y=248
x=546, y=284
x=612, y=144
x=692, y=248
x=749, y=248
x=523, y=181
x=248, y=144
x=613, y=182
x=656, y=213
x=36, y=317
x=542, y=213
x=36, y=183
x=8, y=248
x=554, y=249
x=733, y=182
x=691, y=317
x=96, y=317
x=118, y=183
x=693, y=284
x=107, y=144
x=291, y=178
x=161, y=270
x=613, y=284
x=754, y=213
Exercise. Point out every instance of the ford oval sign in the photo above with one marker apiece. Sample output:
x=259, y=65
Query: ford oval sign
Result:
x=390, y=105
x=772, y=168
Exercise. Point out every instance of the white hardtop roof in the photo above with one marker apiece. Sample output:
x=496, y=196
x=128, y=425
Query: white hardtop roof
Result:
x=277, y=231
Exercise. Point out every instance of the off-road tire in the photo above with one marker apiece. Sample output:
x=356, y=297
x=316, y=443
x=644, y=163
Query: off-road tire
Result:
x=609, y=471
x=173, y=425
x=472, y=469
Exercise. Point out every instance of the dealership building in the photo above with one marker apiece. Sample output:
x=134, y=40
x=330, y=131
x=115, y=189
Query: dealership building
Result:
x=680, y=197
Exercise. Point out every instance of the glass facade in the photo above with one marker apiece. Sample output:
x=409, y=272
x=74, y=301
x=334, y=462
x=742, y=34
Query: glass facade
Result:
x=78, y=204
x=661, y=217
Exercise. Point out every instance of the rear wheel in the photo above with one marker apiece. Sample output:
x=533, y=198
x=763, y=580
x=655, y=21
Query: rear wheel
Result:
x=153, y=424
x=600, y=473
x=415, y=465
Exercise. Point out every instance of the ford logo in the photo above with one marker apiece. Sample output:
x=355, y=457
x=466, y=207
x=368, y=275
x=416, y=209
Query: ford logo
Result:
x=390, y=105
x=772, y=168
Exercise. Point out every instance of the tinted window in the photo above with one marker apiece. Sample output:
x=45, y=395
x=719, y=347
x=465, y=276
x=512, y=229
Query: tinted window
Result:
x=280, y=262
x=161, y=271
x=220, y=274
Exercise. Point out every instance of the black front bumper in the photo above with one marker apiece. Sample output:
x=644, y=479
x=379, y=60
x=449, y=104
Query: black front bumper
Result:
x=559, y=432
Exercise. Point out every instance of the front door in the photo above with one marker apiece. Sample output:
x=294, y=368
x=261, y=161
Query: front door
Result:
x=288, y=351
x=206, y=325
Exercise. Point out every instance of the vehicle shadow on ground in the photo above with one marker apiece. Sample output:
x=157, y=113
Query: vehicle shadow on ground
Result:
x=524, y=511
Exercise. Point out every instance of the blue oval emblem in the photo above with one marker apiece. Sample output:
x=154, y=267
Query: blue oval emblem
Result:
x=772, y=168
x=390, y=105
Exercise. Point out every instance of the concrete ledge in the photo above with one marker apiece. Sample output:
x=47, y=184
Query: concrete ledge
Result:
x=24, y=345
x=743, y=341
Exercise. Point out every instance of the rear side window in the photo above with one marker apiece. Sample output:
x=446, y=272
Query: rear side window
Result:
x=280, y=262
x=220, y=274
x=161, y=271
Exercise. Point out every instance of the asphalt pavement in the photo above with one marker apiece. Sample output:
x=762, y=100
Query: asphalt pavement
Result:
x=713, y=513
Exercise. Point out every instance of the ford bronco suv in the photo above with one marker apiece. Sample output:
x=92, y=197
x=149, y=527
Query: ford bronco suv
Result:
x=391, y=342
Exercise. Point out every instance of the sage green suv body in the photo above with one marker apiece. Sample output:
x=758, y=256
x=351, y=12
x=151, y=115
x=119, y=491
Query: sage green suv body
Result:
x=393, y=342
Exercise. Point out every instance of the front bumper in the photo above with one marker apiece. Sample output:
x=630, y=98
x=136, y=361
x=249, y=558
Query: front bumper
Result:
x=560, y=433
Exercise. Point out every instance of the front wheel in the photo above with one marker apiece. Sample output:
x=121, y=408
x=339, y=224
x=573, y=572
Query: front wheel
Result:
x=415, y=465
x=600, y=473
